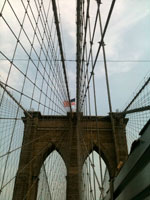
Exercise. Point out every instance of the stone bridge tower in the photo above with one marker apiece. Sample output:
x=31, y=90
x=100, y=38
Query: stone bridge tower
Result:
x=68, y=135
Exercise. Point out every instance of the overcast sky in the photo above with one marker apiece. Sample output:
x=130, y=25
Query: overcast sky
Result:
x=127, y=39
x=127, y=45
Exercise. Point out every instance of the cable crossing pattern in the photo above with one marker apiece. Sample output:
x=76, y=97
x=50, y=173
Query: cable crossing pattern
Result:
x=34, y=79
x=37, y=83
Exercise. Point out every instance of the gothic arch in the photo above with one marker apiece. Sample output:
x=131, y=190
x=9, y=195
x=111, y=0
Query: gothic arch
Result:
x=106, y=156
x=48, y=178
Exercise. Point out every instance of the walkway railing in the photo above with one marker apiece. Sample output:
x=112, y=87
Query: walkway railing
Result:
x=138, y=110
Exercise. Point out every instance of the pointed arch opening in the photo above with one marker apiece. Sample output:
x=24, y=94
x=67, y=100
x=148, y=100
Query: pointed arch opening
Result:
x=52, y=178
x=95, y=177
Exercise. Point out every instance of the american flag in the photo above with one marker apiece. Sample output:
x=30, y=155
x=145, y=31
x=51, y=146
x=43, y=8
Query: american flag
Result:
x=72, y=101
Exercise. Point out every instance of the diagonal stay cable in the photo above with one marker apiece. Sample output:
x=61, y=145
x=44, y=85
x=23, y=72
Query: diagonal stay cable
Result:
x=12, y=88
x=141, y=89
x=9, y=94
x=100, y=45
x=34, y=157
x=105, y=63
x=61, y=49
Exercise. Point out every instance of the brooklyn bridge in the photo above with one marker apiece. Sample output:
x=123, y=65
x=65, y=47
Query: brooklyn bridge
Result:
x=63, y=80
